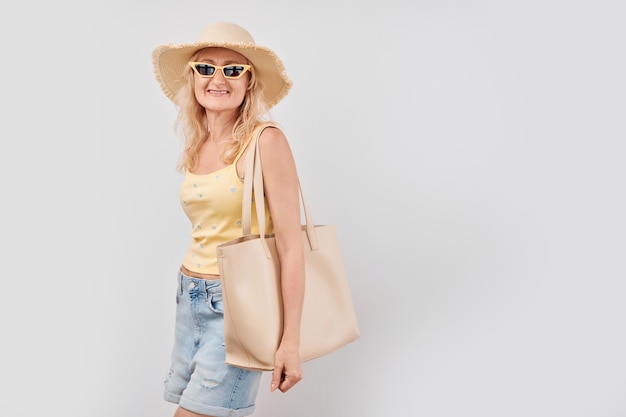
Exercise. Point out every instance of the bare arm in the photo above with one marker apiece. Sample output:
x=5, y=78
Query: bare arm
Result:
x=281, y=188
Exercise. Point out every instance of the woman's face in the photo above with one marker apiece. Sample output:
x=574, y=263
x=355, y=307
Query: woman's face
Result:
x=219, y=93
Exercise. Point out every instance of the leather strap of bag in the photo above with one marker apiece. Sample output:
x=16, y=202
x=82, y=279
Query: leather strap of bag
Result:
x=248, y=173
x=253, y=182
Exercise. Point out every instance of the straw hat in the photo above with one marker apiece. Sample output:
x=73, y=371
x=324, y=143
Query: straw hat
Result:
x=170, y=60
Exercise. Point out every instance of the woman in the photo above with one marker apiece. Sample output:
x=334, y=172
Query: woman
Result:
x=223, y=85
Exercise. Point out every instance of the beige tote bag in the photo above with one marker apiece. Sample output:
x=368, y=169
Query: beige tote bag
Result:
x=250, y=276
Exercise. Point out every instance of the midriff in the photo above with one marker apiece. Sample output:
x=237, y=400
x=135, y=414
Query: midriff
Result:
x=197, y=274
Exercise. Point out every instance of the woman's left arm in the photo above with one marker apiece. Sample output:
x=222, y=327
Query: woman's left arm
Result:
x=280, y=180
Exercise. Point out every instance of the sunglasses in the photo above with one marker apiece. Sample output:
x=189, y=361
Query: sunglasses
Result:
x=232, y=71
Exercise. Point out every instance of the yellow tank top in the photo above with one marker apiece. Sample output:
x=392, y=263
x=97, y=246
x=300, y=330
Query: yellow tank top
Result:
x=213, y=204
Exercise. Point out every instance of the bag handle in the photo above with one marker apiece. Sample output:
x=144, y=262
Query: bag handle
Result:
x=248, y=173
x=253, y=182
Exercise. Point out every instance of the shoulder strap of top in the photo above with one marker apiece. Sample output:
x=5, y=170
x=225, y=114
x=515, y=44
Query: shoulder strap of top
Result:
x=257, y=129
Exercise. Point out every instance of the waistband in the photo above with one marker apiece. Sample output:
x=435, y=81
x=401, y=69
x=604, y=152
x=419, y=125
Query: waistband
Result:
x=192, y=284
x=197, y=274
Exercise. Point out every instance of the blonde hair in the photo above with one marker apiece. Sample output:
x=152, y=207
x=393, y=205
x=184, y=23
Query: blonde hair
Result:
x=191, y=123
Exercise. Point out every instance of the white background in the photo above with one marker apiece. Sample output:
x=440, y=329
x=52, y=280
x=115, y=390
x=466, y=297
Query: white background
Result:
x=469, y=152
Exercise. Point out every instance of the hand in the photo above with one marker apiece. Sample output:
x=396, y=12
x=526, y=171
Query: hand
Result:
x=287, y=370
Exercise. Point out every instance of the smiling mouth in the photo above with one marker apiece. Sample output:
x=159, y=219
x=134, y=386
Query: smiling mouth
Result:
x=220, y=92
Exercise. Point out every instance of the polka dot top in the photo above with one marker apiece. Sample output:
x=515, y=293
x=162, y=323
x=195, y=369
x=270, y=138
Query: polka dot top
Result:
x=213, y=204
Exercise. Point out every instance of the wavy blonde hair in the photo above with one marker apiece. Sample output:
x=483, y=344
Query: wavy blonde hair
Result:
x=191, y=123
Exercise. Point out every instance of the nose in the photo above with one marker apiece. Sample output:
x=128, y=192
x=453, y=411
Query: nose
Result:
x=218, y=77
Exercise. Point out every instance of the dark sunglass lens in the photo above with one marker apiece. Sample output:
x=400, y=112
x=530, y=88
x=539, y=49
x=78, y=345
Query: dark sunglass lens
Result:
x=233, y=71
x=205, y=69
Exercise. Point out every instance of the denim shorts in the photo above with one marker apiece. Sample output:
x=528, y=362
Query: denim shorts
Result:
x=199, y=380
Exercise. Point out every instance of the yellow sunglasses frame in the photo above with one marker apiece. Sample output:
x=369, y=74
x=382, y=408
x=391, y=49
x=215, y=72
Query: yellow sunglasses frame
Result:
x=221, y=68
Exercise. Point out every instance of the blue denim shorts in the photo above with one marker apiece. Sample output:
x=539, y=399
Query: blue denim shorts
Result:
x=199, y=380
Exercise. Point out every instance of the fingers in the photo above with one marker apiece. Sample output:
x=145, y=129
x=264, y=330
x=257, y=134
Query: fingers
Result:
x=287, y=368
x=288, y=381
x=284, y=381
x=277, y=377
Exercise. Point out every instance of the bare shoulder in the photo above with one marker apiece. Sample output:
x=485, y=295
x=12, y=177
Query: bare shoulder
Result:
x=272, y=134
x=273, y=142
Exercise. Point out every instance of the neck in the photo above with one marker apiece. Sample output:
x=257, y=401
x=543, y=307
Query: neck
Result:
x=220, y=126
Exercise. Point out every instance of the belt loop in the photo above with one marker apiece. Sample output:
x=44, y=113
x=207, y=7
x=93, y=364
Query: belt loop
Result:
x=180, y=283
x=206, y=290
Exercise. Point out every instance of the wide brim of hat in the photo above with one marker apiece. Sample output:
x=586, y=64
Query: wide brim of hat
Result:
x=170, y=60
